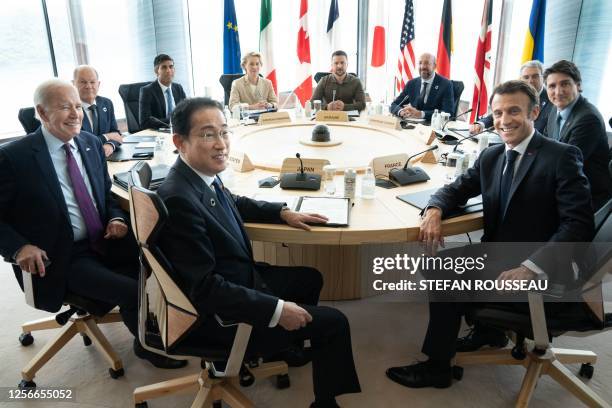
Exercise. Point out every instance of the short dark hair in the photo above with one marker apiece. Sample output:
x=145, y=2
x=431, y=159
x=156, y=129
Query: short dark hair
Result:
x=516, y=86
x=564, y=67
x=161, y=58
x=339, y=53
x=181, y=115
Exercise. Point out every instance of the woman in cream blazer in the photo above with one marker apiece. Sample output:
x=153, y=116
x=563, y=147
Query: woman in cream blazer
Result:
x=251, y=88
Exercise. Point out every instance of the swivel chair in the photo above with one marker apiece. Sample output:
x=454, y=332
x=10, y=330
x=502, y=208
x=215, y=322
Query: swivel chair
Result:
x=130, y=94
x=539, y=357
x=166, y=316
x=226, y=82
x=28, y=120
x=457, y=91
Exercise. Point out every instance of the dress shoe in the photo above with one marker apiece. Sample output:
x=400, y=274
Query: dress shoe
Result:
x=327, y=404
x=421, y=375
x=479, y=337
x=157, y=360
x=294, y=356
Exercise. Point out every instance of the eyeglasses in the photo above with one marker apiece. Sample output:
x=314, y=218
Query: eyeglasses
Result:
x=211, y=136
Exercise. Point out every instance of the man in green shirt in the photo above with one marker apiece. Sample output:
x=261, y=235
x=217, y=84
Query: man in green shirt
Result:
x=340, y=90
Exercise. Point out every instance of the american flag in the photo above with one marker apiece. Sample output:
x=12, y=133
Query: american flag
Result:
x=405, y=63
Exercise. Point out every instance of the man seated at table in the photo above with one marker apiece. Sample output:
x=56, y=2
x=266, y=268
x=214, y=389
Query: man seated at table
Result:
x=158, y=99
x=533, y=190
x=58, y=219
x=578, y=122
x=98, y=111
x=532, y=73
x=205, y=241
x=252, y=89
x=340, y=91
x=422, y=95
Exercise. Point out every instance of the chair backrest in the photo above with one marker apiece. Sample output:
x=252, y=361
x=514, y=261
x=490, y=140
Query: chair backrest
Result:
x=160, y=295
x=319, y=75
x=9, y=140
x=141, y=175
x=28, y=119
x=457, y=91
x=129, y=94
x=226, y=82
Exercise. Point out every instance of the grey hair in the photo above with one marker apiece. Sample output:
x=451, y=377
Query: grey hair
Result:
x=81, y=67
x=533, y=64
x=42, y=92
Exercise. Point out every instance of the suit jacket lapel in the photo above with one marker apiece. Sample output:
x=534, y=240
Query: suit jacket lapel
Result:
x=245, y=240
x=497, y=175
x=247, y=88
x=42, y=157
x=86, y=126
x=161, y=99
x=526, y=161
x=101, y=114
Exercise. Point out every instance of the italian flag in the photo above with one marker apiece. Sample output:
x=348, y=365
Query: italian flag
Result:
x=304, y=77
x=265, y=43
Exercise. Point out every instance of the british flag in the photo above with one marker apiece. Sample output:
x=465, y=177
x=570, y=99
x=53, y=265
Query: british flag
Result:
x=405, y=64
x=482, y=65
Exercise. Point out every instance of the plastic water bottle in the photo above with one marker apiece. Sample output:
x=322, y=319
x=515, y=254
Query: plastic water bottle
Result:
x=299, y=113
x=307, y=110
x=227, y=113
x=435, y=120
x=236, y=112
x=368, y=185
x=350, y=177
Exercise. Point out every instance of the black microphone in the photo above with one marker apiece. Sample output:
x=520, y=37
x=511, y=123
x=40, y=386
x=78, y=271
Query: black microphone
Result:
x=464, y=138
x=409, y=175
x=301, y=163
x=455, y=117
x=401, y=103
x=301, y=180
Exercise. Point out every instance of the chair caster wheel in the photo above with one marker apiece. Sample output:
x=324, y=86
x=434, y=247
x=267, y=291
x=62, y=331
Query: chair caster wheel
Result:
x=518, y=353
x=217, y=404
x=24, y=384
x=457, y=373
x=26, y=339
x=86, y=340
x=142, y=404
x=116, y=373
x=283, y=381
x=246, y=377
x=586, y=371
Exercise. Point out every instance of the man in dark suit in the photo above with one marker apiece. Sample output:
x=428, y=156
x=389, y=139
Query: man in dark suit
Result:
x=205, y=241
x=424, y=94
x=579, y=123
x=58, y=219
x=533, y=190
x=158, y=99
x=98, y=112
x=532, y=73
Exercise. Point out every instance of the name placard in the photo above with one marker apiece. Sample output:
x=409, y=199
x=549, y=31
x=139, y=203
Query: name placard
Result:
x=392, y=122
x=270, y=118
x=292, y=165
x=381, y=165
x=239, y=161
x=331, y=116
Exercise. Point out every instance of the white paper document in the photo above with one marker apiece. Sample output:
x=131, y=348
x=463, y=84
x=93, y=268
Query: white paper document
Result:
x=334, y=208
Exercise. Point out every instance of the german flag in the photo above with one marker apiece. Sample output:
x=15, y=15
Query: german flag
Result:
x=445, y=41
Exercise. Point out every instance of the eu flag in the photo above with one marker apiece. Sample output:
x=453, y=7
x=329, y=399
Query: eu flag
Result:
x=231, y=40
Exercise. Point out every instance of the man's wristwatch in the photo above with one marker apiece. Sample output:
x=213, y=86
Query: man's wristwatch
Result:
x=285, y=208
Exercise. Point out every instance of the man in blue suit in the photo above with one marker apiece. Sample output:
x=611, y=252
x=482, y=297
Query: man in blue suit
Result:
x=424, y=94
x=58, y=219
x=98, y=112
x=158, y=99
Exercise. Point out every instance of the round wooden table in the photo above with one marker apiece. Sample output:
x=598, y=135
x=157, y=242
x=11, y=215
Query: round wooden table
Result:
x=375, y=224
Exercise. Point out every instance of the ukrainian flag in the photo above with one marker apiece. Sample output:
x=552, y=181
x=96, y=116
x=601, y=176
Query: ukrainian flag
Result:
x=534, y=40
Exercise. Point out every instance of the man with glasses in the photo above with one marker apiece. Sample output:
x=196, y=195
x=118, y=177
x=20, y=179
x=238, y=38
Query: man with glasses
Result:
x=205, y=241
x=158, y=99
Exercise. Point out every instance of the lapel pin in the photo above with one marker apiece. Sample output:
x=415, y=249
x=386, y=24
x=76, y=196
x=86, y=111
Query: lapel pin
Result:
x=212, y=202
x=87, y=149
x=104, y=109
x=436, y=87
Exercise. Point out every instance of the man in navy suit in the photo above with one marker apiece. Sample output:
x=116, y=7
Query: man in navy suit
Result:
x=578, y=122
x=158, y=99
x=205, y=241
x=424, y=94
x=533, y=190
x=58, y=219
x=98, y=112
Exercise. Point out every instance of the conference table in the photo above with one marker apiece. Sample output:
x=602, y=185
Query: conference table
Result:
x=376, y=225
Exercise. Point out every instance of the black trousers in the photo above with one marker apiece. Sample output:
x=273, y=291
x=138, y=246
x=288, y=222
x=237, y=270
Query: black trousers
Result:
x=111, y=278
x=333, y=367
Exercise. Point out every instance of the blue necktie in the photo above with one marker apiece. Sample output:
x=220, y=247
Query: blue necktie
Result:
x=557, y=134
x=169, y=101
x=226, y=208
x=506, y=181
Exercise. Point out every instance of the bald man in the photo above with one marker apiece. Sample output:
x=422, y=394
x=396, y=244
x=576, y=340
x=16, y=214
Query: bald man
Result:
x=98, y=112
x=422, y=95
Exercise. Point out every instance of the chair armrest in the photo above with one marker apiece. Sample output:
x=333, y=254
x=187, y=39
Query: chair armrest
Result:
x=225, y=323
x=538, y=320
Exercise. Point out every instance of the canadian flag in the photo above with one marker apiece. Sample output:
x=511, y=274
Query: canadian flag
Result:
x=304, y=77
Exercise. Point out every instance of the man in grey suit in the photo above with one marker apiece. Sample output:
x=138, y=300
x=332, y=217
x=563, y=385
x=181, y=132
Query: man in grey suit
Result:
x=578, y=122
x=158, y=99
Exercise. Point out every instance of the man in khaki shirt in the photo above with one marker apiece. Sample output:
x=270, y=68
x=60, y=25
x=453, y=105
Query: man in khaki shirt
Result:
x=340, y=90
